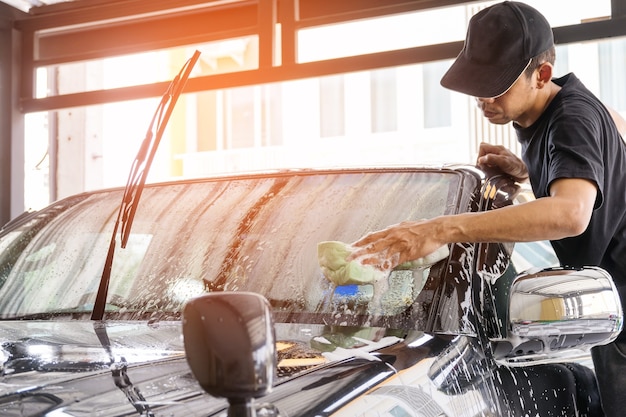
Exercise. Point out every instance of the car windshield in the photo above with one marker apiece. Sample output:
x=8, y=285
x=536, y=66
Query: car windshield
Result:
x=256, y=233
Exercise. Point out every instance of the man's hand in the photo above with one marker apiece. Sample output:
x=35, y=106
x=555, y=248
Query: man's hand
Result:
x=397, y=244
x=500, y=158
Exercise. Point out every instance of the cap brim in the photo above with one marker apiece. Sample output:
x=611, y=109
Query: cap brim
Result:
x=477, y=80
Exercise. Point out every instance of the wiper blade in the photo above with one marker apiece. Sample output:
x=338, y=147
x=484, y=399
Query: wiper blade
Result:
x=137, y=177
x=120, y=374
x=143, y=160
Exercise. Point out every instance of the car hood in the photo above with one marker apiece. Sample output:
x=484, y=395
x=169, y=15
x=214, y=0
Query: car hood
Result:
x=122, y=368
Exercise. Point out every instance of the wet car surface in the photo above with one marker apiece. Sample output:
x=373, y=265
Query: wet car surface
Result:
x=217, y=302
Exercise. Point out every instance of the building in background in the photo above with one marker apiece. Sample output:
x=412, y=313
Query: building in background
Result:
x=396, y=115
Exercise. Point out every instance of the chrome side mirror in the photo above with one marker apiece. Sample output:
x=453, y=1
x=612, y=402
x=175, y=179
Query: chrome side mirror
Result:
x=230, y=345
x=561, y=308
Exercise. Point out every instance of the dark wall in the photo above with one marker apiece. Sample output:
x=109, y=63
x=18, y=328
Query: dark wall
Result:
x=11, y=120
x=6, y=42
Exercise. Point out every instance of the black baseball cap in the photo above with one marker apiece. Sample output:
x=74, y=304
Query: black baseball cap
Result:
x=500, y=42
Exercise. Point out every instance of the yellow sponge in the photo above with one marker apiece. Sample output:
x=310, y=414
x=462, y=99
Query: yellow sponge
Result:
x=332, y=255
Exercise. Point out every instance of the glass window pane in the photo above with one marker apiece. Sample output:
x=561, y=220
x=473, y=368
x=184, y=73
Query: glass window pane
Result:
x=240, y=117
x=163, y=251
x=272, y=131
x=612, y=57
x=384, y=101
x=437, y=101
x=332, y=107
x=380, y=34
x=424, y=28
x=570, y=12
x=219, y=57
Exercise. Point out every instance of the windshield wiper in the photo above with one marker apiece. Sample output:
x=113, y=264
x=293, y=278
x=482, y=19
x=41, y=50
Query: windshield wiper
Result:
x=120, y=374
x=137, y=177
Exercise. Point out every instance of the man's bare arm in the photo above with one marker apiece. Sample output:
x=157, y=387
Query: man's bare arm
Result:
x=565, y=213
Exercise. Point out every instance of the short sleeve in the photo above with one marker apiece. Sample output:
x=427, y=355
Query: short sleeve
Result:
x=575, y=149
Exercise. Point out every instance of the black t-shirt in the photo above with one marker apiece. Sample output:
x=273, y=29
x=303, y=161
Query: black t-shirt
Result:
x=576, y=138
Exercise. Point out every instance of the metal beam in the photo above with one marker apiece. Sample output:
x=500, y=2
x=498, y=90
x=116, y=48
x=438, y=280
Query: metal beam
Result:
x=111, y=39
x=11, y=120
x=267, y=20
x=77, y=13
x=6, y=45
x=618, y=8
x=324, y=12
x=601, y=29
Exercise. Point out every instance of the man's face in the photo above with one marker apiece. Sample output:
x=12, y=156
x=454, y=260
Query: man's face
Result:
x=516, y=105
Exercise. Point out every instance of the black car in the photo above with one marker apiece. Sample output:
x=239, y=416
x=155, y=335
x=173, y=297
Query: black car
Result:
x=212, y=302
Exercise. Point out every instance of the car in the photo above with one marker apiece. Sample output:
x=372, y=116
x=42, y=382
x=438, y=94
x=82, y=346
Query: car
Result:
x=212, y=301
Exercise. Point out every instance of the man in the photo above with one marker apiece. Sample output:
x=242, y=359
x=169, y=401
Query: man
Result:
x=572, y=153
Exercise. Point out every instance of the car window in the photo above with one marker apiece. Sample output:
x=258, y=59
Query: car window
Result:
x=533, y=255
x=256, y=235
